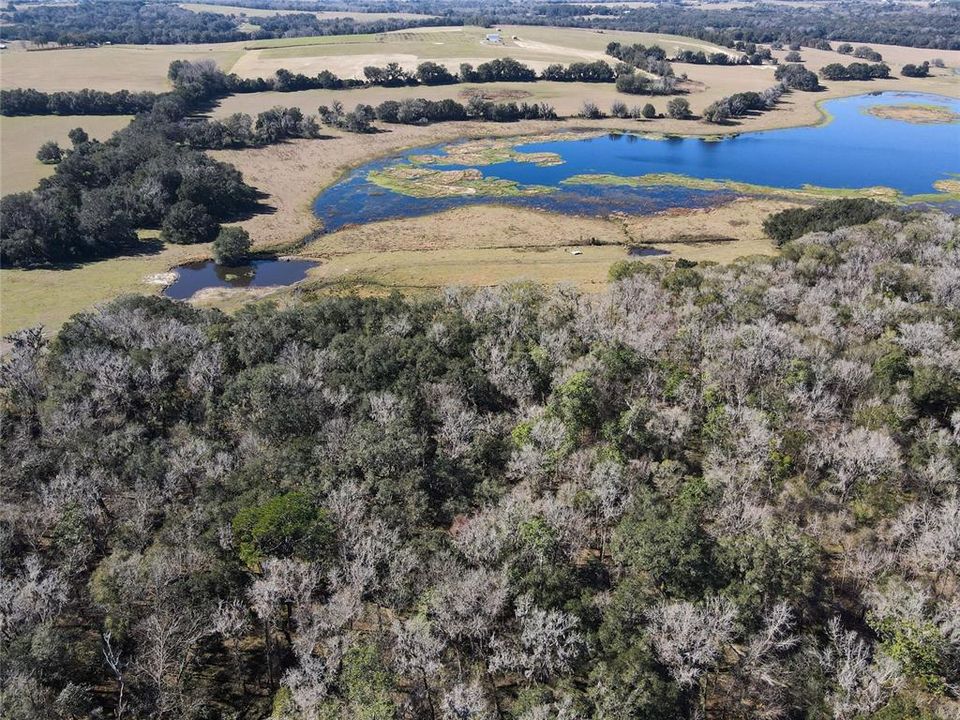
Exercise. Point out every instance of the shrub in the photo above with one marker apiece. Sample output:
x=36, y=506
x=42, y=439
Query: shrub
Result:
x=679, y=109
x=285, y=526
x=78, y=136
x=431, y=73
x=796, y=77
x=50, y=153
x=867, y=53
x=917, y=71
x=619, y=109
x=231, y=246
x=590, y=111
x=649, y=111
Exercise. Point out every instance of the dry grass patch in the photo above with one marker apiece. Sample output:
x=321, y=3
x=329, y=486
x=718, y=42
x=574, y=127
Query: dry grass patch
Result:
x=741, y=219
x=478, y=227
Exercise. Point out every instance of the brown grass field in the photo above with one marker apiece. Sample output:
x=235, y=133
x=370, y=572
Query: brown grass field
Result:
x=21, y=137
x=117, y=67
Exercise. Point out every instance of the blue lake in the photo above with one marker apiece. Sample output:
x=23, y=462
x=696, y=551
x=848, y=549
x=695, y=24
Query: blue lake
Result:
x=853, y=150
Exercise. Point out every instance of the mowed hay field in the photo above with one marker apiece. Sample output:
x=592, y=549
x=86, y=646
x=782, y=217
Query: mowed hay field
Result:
x=21, y=137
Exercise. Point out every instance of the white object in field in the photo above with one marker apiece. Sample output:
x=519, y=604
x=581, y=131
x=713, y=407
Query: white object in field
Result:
x=576, y=251
x=493, y=37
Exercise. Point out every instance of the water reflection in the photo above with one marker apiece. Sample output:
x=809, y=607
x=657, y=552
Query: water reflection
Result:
x=197, y=276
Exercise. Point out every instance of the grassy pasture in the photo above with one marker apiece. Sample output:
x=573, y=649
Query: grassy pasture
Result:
x=21, y=137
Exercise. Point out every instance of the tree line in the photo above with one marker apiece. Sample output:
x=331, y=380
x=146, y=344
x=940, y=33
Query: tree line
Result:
x=740, y=104
x=420, y=111
x=721, y=491
x=103, y=21
x=932, y=26
x=19, y=101
x=855, y=71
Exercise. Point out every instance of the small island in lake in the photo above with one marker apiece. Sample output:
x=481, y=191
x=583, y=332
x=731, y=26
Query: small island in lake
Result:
x=915, y=113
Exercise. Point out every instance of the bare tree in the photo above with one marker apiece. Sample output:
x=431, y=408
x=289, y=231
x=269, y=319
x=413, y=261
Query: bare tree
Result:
x=546, y=646
x=862, y=682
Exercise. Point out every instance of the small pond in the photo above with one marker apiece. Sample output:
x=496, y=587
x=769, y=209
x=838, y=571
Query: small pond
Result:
x=646, y=251
x=193, y=277
x=637, y=174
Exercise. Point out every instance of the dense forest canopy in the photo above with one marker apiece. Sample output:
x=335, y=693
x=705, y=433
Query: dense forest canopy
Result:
x=721, y=491
x=933, y=25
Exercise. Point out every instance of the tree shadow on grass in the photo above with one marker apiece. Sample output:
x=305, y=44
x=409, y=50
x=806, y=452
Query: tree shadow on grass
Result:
x=141, y=247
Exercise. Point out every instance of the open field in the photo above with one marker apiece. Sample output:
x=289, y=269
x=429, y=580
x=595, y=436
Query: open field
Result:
x=541, y=46
x=117, y=67
x=21, y=137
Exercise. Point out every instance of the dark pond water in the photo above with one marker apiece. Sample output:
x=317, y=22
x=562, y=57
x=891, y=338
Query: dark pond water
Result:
x=258, y=273
x=853, y=150
x=643, y=251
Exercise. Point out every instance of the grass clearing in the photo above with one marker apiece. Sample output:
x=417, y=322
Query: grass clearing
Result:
x=21, y=137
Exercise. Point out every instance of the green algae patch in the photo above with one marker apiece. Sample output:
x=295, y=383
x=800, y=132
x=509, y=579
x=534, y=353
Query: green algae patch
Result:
x=915, y=113
x=947, y=189
x=486, y=152
x=423, y=182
